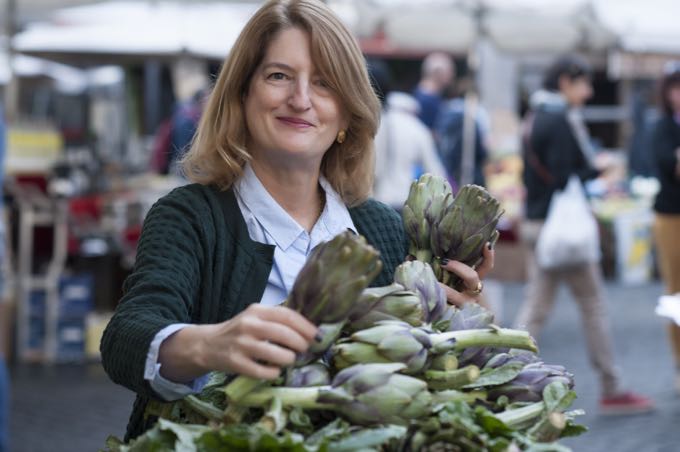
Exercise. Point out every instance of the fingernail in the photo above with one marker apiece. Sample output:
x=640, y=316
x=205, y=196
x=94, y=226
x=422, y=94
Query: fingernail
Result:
x=318, y=337
x=489, y=245
x=443, y=260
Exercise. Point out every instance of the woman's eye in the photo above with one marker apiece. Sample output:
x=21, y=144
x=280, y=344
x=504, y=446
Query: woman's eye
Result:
x=277, y=76
x=322, y=83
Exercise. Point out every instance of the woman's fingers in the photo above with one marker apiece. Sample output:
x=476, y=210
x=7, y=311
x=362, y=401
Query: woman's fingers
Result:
x=454, y=297
x=288, y=317
x=471, y=279
x=489, y=258
x=243, y=365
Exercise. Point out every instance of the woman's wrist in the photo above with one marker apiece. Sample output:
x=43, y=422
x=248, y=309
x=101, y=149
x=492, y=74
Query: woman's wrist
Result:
x=182, y=356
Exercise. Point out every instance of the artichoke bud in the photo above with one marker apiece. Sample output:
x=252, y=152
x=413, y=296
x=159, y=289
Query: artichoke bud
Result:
x=333, y=277
x=315, y=374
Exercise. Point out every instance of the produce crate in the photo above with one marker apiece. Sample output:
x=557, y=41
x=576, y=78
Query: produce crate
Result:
x=74, y=304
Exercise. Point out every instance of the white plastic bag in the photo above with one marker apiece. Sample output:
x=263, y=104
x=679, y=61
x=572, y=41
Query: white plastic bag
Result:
x=569, y=236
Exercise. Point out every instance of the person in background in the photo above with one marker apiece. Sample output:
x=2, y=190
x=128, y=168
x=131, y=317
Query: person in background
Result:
x=437, y=73
x=403, y=146
x=448, y=132
x=666, y=151
x=282, y=161
x=556, y=146
x=4, y=375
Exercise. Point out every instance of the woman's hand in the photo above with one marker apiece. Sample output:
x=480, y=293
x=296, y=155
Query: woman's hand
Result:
x=472, y=278
x=256, y=343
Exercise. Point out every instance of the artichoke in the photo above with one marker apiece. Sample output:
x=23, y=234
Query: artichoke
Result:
x=427, y=198
x=325, y=292
x=315, y=374
x=377, y=394
x=418, y=277
x=391, y=302
x=528, y=385
x=387, y=342
x=365, y=394
x=473, y=316
x=466, y=225
x=333, y=277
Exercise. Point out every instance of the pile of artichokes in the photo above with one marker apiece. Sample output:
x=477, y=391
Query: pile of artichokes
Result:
x=398, y=368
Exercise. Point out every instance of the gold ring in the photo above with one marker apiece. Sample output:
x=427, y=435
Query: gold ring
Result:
x=477, y=289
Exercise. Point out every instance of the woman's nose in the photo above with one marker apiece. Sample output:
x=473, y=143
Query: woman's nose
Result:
x=300, y=97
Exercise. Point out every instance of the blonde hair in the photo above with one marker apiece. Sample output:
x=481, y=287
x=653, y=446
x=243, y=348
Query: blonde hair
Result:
x=218, y=152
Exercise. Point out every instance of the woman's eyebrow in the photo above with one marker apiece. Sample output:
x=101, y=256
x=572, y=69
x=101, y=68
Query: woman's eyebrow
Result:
x=277, y=65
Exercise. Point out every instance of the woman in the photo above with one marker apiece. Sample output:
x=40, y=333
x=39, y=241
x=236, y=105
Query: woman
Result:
x=666, y=147
x=558, y=146
x=283, y=148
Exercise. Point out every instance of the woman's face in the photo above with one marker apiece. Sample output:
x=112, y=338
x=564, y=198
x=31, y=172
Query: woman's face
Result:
x=291, y=113
x=674, y=97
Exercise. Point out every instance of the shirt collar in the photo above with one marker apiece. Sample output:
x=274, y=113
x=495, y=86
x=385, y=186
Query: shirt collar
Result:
x=283, y=229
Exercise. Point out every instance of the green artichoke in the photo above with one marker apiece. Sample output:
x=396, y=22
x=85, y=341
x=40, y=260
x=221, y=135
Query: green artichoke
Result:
x=365, y=394
x=466, y=226
x=529, y=384
x=333, y=277
x=427, y=198
x=376, y=394
x=391, y=302
x=387, y=342
x=315, y=374
x=418, y=277
x=325, y=292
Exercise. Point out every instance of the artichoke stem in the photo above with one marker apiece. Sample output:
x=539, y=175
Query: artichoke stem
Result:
x=206, y=410
x=296, y=397
x=550, y=428
x=275, y=419
x=451, y=395
x=499, y=337
x=519, y=416
x=240, y=386
x=423, y=255
x=452, y=379
x=445, y=361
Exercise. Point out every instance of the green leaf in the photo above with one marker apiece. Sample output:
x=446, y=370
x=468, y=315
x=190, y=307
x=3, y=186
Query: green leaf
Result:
x=490, y=423
x=497, y=376
x=186, y=434
x=558, y=397
x=114, y=444
x=153, y=440
x=573, y=429
x=368, y=438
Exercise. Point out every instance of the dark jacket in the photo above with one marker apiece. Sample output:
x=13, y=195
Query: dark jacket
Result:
x=196, y=263
x=551, y=154
x=666, y=140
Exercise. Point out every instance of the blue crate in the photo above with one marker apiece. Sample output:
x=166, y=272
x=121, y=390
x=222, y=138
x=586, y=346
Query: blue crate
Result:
x=76, y=297
x=70, y=337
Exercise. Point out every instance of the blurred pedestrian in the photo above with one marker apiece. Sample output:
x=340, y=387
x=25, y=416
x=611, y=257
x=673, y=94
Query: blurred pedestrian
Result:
x=449, y=133
x=437, y=73
x=404, y=147
x=4, y=376
x=282, y=160
x=666, y=150
x=557, y=146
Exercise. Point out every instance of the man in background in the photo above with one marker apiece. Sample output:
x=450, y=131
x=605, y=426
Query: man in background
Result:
x=437, y=73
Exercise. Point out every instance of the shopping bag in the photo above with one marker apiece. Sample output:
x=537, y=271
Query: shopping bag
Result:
x=570, y=235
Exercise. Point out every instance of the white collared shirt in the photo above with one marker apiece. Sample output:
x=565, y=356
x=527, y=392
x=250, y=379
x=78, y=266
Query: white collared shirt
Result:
x=268, y=223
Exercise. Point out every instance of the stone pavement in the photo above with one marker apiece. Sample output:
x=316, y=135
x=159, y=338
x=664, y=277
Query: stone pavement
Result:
x=74, y=408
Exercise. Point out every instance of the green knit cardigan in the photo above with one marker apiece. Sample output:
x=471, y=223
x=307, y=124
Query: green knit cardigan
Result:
x=197, y=264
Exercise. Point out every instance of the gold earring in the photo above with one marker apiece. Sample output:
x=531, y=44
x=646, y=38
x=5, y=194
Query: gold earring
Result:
x=341, y=137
